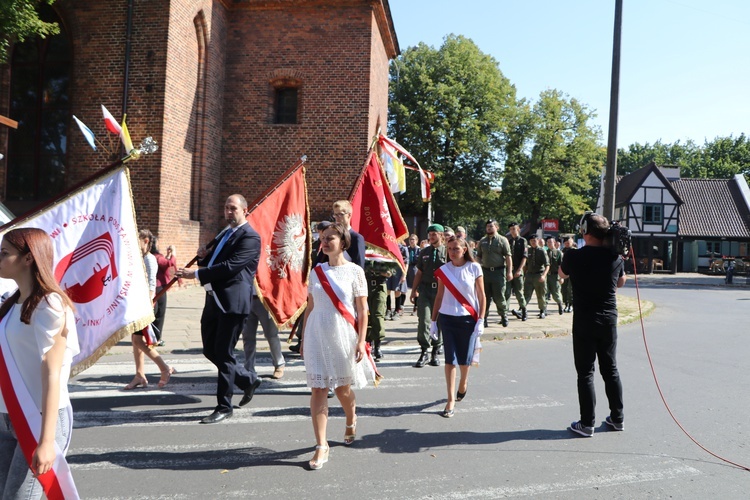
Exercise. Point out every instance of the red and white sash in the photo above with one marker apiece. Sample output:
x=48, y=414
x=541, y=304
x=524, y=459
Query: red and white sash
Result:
x=460, y=290
x=26, y=419
x=336, y=294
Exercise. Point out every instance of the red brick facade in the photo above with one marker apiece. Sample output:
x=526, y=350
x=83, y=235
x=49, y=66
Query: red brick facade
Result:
x=202, y=77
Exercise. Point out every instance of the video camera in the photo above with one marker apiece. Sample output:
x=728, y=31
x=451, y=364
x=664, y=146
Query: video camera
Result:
x=618, y=237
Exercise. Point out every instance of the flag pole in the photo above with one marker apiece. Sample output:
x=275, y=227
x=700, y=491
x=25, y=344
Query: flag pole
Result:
x=254, y=205
x=28, y=214
x=260, y=199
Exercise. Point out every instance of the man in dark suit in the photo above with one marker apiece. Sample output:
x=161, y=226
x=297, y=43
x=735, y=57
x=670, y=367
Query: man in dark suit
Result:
x=227, y=271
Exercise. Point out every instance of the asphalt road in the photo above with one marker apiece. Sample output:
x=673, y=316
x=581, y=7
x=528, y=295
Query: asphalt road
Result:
x=507, y=439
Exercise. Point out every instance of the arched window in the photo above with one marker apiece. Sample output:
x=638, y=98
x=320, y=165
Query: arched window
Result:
x=39, y=101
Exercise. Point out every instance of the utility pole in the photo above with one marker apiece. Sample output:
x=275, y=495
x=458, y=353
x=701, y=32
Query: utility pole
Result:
x=610, y=174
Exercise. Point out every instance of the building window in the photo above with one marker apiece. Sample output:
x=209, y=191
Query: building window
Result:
x=285, y=105
x=39, y=101
x=652, y=214
x=713, y=247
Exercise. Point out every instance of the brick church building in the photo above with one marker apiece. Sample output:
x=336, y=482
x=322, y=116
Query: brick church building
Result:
x=233, y=91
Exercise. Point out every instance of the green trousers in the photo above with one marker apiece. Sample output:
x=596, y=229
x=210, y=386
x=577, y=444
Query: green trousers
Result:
x=425, y=301
x=534, y=285
x=376, y=298
x=567, y=292
x=553, y=286
x=494, y=289
x=516, y=288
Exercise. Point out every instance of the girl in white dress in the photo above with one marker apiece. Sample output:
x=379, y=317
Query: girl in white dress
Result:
x=332, y=347
x=40, y=328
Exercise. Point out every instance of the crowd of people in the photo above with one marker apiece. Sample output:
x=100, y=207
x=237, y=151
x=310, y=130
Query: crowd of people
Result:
x=453, y=282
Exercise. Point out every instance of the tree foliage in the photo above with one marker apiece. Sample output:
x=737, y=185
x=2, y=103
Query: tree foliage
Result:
x=19, y=20
x=450, y=107
x=718, y=159
x=554, y=160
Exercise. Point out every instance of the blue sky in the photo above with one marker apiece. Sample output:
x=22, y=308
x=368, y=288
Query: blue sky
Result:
x=684, y=74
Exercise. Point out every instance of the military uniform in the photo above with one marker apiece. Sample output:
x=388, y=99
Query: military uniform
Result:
x=492, y=252
x=376, y=301
x=553, y=280
x=536, y=264
x=567, y=286
x=428, y=261
x=519, y=252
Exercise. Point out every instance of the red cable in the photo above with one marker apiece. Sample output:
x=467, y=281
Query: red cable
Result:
x=656, y=381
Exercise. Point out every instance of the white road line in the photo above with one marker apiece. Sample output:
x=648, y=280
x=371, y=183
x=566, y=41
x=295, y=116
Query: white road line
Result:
x=622, y=473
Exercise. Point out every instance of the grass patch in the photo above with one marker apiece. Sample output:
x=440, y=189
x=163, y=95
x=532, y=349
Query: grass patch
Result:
x=627, y=309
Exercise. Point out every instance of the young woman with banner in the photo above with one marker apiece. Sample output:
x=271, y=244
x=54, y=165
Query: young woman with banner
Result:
x=38, y=340
x=459, y=306
x=334, y=338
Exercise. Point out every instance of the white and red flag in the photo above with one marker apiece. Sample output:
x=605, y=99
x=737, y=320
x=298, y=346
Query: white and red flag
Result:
x=375, y=214
x=97, y=261
x=392, y=149
x=282, y=219
x=110, y=122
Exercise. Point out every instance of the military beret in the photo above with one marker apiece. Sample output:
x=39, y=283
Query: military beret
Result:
x=436, y=227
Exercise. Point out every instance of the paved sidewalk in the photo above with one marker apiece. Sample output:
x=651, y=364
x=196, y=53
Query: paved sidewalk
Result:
x=182, y=324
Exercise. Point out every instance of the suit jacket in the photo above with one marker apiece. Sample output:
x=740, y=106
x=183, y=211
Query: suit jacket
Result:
x=231, y=274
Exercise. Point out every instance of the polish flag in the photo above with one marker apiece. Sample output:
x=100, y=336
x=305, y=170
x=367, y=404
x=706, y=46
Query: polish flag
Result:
x=110, y=122
x=375, y=214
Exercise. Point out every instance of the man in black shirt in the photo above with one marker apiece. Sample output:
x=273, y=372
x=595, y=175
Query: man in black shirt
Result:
x=597, y=272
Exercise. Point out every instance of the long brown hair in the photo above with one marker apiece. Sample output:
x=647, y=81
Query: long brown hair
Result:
x=468, y=254
x=39, y=244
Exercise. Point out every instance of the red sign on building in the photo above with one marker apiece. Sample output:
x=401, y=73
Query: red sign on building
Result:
x=550, y=225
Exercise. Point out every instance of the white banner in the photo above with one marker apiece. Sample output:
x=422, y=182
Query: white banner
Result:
x=98, y=262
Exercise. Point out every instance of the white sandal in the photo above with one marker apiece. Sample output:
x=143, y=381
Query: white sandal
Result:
x=350, y=436
x=315, y=465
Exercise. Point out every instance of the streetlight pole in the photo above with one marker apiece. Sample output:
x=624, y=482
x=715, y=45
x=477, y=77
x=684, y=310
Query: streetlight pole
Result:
x=610, y=174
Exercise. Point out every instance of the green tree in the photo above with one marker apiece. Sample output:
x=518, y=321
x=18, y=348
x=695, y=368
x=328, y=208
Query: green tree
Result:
x=718, y=159
x=20, y=20
x=554, y=161
x=450, y=107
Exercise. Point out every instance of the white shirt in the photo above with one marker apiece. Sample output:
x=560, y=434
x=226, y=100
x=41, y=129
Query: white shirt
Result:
x=28, y=343
x=466, y=274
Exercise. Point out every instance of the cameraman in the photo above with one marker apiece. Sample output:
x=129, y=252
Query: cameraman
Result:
x=596, y=272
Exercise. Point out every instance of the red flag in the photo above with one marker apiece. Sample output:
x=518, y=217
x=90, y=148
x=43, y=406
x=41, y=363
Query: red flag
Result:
x=375, y=214
x=282, y=219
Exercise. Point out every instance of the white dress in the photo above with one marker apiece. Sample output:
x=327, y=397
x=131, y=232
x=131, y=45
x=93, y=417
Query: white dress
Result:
x=330, y=342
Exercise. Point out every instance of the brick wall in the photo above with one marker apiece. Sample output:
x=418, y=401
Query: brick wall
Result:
x=201, y=82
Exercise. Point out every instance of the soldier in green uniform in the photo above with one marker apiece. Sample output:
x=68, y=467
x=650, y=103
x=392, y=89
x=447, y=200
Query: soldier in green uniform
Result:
x=553, y=280
x=376, y=302
x=537, y=267
x=519, y=253
x=567, y=284
x=425, y=290
x=493, y=253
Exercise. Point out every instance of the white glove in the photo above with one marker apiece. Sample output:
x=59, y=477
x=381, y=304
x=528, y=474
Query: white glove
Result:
x=479, y=328
x=433, y=330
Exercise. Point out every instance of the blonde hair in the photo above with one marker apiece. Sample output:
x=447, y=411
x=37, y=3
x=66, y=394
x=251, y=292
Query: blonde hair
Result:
x=343, y=205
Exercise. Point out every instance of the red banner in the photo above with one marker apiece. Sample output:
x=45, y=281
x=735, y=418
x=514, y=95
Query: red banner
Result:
x=282, y=219
x=550, y=225
x=375, y=214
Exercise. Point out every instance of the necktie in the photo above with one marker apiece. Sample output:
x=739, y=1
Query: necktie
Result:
x=224, y=239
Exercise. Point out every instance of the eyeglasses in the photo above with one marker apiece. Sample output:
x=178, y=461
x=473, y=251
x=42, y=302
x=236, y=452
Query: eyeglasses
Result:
x=342, y=214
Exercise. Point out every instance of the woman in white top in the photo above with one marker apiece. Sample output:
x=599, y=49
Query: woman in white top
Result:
x=461, y=327
x=140, y=348
x=333, y=349
x=38, y=326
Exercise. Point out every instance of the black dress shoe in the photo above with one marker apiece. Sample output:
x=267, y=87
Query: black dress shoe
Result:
x=542, y=315
x=249, y=393
x=523, y=314
x=216, y=416
x=422, y=360
x=504, y=321
x=294, y=348
x=560, y=309
x=515, y=313
x=486, y=324
x=377, y=354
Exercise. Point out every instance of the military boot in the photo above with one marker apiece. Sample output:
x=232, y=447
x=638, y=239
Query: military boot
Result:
x=422, y=359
